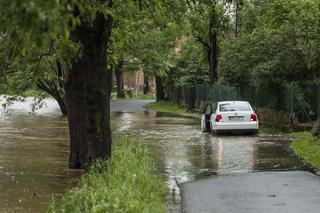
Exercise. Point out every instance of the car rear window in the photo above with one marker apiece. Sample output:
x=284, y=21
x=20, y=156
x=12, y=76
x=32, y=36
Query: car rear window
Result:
x=227, y=107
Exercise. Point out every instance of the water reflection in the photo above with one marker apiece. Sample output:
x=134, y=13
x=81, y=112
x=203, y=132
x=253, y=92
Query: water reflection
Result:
x=184, y=153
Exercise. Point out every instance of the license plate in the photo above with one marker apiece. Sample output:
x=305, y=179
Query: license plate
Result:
x=236, y=118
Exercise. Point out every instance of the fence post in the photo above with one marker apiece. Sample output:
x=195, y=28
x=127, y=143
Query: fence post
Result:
x=291, y=105
x=318, y=101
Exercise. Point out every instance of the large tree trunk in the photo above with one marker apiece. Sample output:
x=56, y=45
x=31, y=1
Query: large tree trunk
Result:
x=212, y=57
x=146, y=87
x=87, y=94
x=62, y=105
x=159, y=89
x=191, y=99
x=119, y=79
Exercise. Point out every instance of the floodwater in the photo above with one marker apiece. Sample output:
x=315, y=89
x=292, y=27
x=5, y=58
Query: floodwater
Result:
x=33, y=158
x=34, y=153
x=183, y=153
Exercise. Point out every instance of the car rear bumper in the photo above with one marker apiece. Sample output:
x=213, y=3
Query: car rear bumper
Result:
x=243, y=126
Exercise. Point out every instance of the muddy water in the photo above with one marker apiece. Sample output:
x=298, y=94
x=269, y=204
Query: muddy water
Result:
x=184, y=153
x=33, y=158
x=34, y=154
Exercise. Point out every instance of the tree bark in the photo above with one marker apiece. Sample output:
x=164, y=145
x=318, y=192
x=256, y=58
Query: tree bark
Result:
x=159, y=89
x=87, y=94
x=55, y=87
x=146, y=87
x=119, y=79
x=191, y=99
x=51, y=88
x=213, y=57
x=237, y=30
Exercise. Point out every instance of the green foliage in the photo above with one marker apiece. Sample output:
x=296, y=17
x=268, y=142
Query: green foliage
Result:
x=207, y=15
x=307, y=147
x=271, y=120
x=126, y=183
x=190, y=67
x=278, y=47
x=278, y=44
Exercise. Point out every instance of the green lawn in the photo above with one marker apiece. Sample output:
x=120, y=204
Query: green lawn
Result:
x=166, y=106
x=126, y=183
x=307, y=147
x=134, y=95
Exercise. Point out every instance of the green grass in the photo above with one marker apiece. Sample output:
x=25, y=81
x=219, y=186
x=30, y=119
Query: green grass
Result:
x=126, y=183
x=307, y=147
x=134, y=95
x=269, y=130
x=166, y=106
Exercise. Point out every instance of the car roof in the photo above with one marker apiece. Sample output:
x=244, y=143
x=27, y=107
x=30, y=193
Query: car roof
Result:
x=227, y=102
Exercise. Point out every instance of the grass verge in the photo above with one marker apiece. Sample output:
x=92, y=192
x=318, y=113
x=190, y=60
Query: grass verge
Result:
x=166, y=106
x=126, y=183
x=269, y=130
x=307, y=147
x=134, y=96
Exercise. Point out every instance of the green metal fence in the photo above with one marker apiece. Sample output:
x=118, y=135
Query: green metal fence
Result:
x=301, y=103
x=216, y=93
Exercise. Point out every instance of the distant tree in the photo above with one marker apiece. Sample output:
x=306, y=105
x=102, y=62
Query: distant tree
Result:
x=278, y=46
x=208, y=20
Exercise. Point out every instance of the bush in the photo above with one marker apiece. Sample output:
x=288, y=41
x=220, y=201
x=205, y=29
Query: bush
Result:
x=126, y=183
x=272, y=119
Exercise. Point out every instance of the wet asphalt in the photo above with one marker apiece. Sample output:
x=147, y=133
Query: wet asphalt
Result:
x=263, y=192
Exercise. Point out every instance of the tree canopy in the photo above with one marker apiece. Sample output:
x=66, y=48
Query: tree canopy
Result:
x=68, y=48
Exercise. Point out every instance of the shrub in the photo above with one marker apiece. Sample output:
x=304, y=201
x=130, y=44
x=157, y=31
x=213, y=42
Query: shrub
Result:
x=272, y=119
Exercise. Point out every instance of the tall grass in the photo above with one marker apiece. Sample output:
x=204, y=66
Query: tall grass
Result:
x=307, y=147
x=126, y=183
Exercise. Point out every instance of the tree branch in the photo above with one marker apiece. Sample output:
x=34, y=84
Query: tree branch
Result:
x=205, y=44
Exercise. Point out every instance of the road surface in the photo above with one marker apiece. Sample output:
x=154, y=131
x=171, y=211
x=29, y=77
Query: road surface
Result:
x=262, y=192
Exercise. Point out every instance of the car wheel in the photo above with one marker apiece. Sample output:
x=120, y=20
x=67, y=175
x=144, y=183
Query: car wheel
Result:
x=202, y=126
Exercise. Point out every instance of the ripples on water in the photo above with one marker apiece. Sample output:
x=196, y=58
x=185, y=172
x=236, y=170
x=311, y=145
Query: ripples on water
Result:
x=33, y=157
x=183, y=153
x=34, y=153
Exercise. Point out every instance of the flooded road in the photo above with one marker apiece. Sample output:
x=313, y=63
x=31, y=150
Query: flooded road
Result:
x=183, y=153
x=34, y=152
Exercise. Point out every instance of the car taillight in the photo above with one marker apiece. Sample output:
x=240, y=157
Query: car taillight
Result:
x=253, y=117
x=218, y=118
